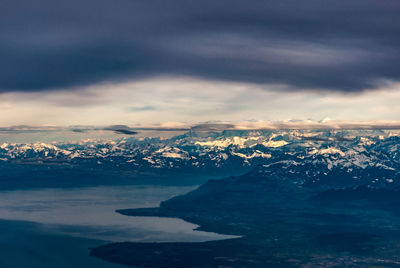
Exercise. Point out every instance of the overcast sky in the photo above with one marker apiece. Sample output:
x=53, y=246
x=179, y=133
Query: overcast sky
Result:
x=129, y=62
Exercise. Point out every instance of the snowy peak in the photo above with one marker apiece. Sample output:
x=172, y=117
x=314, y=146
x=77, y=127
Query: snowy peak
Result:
x=305, y=154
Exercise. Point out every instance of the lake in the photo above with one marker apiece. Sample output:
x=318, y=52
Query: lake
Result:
x=56, y=227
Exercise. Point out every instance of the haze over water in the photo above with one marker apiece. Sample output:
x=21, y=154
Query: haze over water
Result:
x=90, y=213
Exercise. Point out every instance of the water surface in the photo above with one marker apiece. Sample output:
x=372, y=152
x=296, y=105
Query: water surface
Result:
x=90, y=213
x=50, y=228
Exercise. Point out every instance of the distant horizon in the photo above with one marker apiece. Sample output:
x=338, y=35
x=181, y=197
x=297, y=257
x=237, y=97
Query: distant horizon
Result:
x=300, y=124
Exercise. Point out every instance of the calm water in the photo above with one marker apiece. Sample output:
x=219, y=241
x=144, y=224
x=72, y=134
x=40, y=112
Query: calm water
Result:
x=48, y=227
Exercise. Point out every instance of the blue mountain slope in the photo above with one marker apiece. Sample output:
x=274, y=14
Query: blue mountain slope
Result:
x=290, y=213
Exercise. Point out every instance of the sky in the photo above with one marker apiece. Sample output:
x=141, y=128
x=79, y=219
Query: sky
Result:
x=109, y=62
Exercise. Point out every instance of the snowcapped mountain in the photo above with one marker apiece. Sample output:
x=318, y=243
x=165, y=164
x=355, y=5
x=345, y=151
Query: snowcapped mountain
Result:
x=303, y=156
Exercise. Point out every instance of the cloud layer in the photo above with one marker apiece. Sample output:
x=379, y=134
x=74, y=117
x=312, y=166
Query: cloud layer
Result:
x=161, y=100
x=336, y=45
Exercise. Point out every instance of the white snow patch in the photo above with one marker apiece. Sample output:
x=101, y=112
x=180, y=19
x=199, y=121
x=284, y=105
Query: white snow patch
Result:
x=330, y=150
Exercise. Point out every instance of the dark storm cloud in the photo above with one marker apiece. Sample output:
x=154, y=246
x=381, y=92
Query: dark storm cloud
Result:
x=121, y=129
x=78, y=130
x=333, y=45
x=125, y=132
